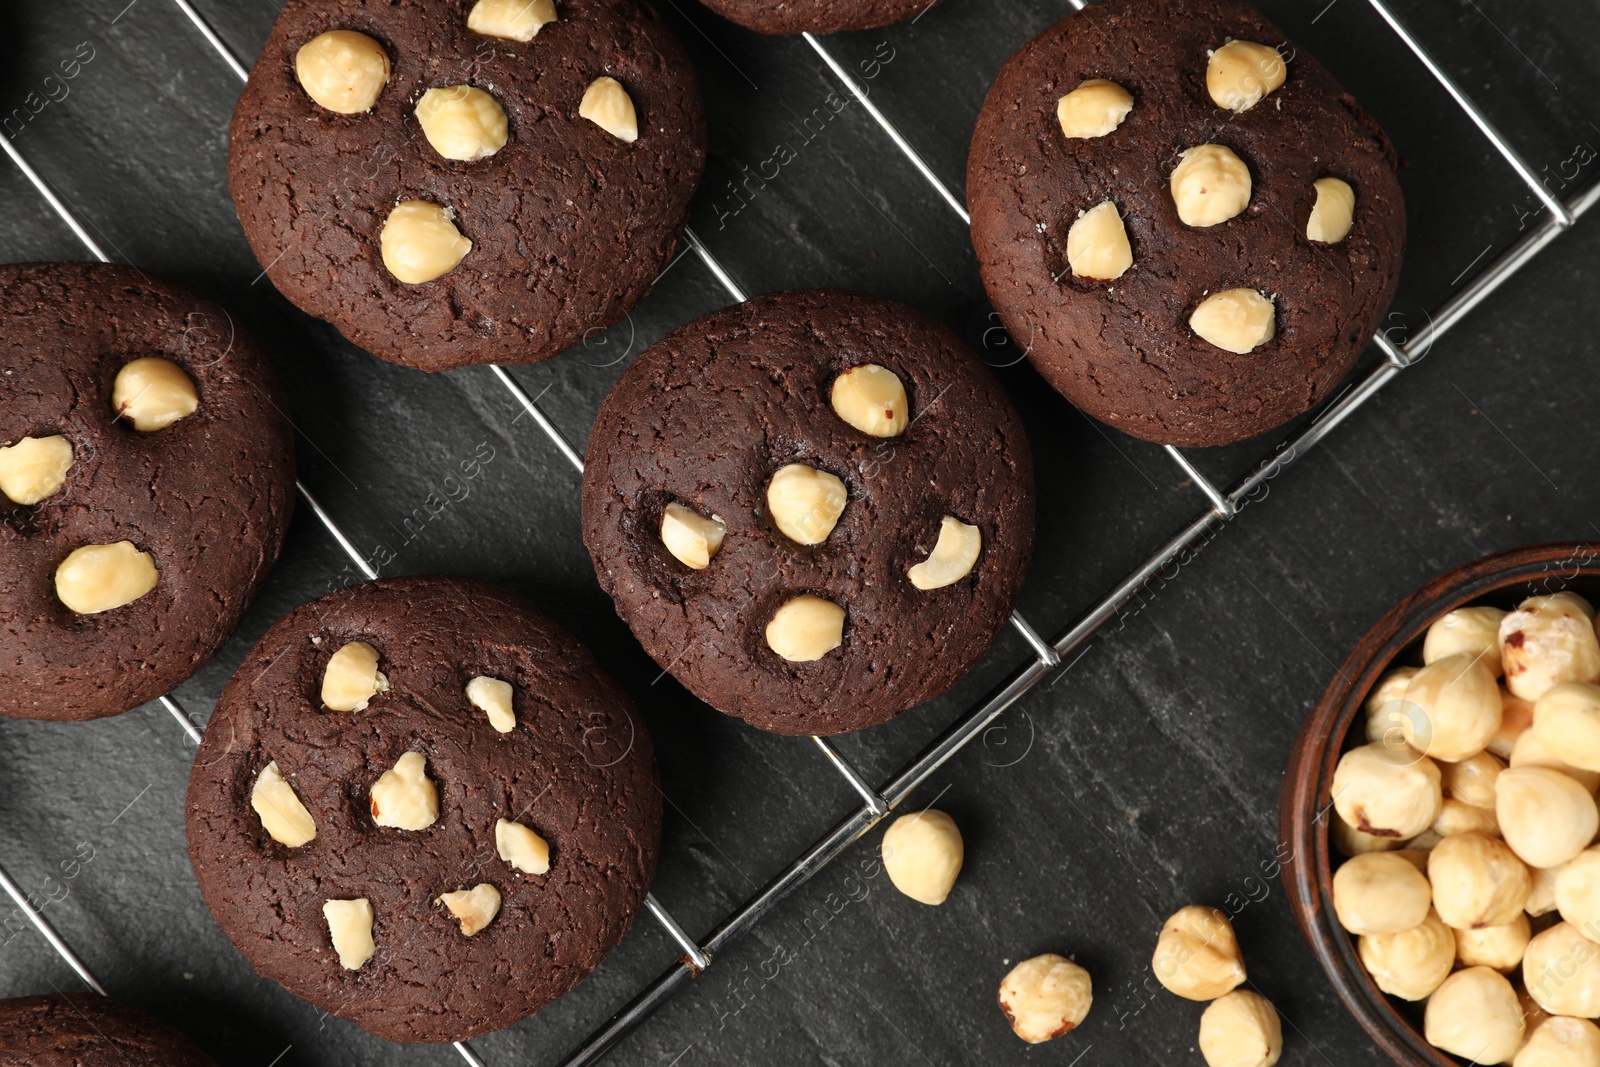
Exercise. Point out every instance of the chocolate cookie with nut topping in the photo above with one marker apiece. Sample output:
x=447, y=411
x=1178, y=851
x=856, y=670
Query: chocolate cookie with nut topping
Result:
x=817, y=16
x=87, y=1030
x=814, y=508
x=452, y=182
x=146, y=476
x=422, y=807
x=1186, y=223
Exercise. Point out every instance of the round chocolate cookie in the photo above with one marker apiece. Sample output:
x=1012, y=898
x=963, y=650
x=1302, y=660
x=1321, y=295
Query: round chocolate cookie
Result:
x=421, y=806
x=814, y=508
x=1186, y=223
x=466, y=181
x=816, y=16
x=147, y=476
x=87, y=1030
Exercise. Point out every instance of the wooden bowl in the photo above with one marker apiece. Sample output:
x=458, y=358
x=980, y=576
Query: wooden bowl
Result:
x=1337, y=723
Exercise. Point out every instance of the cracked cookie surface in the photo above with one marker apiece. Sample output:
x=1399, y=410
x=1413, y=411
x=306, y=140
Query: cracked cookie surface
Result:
x=88, y=1030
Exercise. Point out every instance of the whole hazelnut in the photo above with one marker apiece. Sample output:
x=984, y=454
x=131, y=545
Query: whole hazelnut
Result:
x=1549, y=640
x=1475, y=1014
x=1241, y=1029
x=1197, y=955
x=1471, y=780
x=1529, y=751
x=1561, y=1042
x=1477, y=881
x=1410, y=964
x=1566, y=719
x=1561, y=971
x=1387, y=793
x=1453, y=708
x=922, y=853
x=1577, y=890
x=1497, y=947
x=1380, y=893
x=1045, y=997
x=1457, y=817
x=1473, y=631
x=1546, y=817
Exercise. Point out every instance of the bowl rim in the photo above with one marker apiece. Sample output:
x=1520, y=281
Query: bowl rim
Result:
x=1306, y=792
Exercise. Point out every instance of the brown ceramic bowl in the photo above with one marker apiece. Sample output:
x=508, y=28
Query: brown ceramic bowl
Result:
x=1501, y=580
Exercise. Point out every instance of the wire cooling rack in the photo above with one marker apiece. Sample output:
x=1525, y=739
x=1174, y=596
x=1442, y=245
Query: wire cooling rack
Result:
x=1222, y=505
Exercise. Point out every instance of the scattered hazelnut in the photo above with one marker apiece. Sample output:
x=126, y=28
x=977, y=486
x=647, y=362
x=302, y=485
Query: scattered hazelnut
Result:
x=1097, y=244
x=691, y=538
x=1529, y=751
x=283, y=816
x=350, y=929
x=475, y=908
x=1477, y=881
x=1458, y=817
x=1453, y=708
x=153, y=393
x=515, y=20
x=1577, y=890
x=351, y=678
x=34, y=468
x=1352, y=842
x=493, y=697
x=403, y=796
x=1542, y=894
x=420, y=242
x=1549, y=640
x=1516, y=717
x=1561, y=1042
x=1561, y=971
x=922, y=854
x=1385, y=706
x=1240, y=73
x=1235, y=320
x=1241, y=1029
x=1210, y=185
x=952, y=557
x=342, y=70
x=1546, y=817
x=1093, y=109
x=872, y=399
x=95, y=578
x=521, y=847
x=1044, y=997
x=1566, y=719
x=1380, y=893
x=1410, y=964
x=1471, y=780
x=1332, y=215
x=805, y=503
x=607, y=104
x=806, y=628
x=1496, y=947
x=1475, y=1014
x=1197, y=955
x=462, y=122
x=1387, y=793
x=1474, y=631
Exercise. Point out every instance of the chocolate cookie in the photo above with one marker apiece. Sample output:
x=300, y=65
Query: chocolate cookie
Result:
x=814, y=508
x=147, y=476
x=816, y=16
x=466, y=181
x=422, y=807
x=86, y=1030
x=1182, y=218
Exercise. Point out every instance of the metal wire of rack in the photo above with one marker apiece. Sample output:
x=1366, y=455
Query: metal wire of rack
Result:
x=1048, y=655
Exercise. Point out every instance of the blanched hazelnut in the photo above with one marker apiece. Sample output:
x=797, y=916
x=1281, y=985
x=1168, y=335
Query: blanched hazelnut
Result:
x=404, y=797
x=1210, y=185
x=342, y=70
x=1475, y=1014
x=1516, y=718
x=1045, y=997
x=420, y=242
x=1561, y=971
x=96, y=578
x=34, y=468
x=282, y=815
x=1452, y=708
x=1410, y=964
x=1093, y=109
x=1471, y=780
x=515, y=20
x=1566, y=719
x=1542, y=892
x=872, y=399
x=692, y=538
x=1457, y=817
x=1197, y=956
x=1471, y=631
x=352, y=678
x=922, y=853
x=1352, y=842
x=1387, y=793
x=521, y=847
x=1529, y=751
x=1097, y=244
x=1477, y=881
x=1332, y=213
x=493, y=697
x=1380, y=893
x=806, y=628
x=1549, y=640
x=607, y=104
x=1577, y=890
x=805, y=503
x=350, y=930
x=1561, y=1042
x=1546, y=817
x=473, y=908
x=1241, y=1029
x=462, y=122
x=1235, y=320
x=153, y=393
x=952, y=558
x=1385, y=706
x=1496, y=947
x=1240, y=73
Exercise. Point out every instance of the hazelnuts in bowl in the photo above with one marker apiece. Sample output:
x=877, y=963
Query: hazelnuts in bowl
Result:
x=1440, y=816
